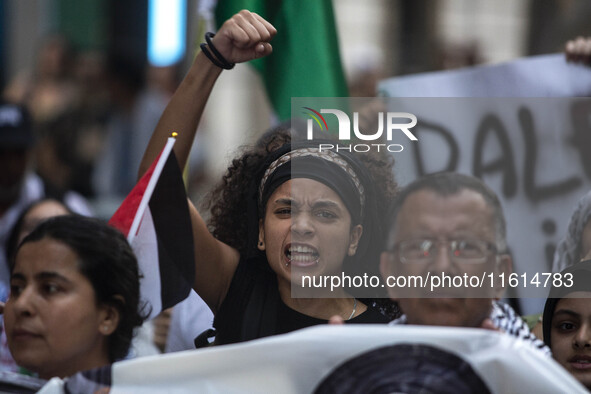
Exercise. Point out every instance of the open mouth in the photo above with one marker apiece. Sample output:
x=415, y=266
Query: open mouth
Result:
x=301, y=255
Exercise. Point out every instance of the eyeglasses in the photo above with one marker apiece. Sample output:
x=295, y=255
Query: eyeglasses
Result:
x=468, y=251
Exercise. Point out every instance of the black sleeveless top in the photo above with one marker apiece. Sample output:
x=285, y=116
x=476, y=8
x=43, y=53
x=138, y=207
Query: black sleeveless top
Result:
x=253, y=308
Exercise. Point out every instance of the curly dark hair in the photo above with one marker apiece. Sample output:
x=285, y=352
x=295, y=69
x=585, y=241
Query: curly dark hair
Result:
x=109, y=264
x=229, y=199
x=233, y=222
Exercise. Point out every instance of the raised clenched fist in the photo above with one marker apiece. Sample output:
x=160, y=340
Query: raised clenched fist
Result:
x=244, y=37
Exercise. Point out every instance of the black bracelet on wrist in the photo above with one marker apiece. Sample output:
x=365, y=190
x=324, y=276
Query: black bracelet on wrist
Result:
x=218, y=60
x=227, y=64
x=205, y=50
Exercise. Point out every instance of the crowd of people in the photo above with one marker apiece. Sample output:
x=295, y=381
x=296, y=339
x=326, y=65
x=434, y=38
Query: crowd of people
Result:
x=284, y=209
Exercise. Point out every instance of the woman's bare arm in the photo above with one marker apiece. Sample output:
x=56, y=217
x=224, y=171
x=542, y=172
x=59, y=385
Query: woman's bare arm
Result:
x=243, y=37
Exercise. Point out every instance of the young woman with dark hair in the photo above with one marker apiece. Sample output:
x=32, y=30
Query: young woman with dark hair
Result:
x=74, y=297
x=283, y=210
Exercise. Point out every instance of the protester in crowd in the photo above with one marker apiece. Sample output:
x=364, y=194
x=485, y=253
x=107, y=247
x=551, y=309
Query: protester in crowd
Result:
x=265, y=225
x=134, y=113
x=74, y=300
x=29, y=219
x=567, y=321
x=577, y=242
x=67, y=150
x=449, y=223
x=574, y=247
x=31, y=216
x=68, y=121
x=19, y=186
x=49, y=89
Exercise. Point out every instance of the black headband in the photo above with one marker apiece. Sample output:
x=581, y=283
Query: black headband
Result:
x=326, y=167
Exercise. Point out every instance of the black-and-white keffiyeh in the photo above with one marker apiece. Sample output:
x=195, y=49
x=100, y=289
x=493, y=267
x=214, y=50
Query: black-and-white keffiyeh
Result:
x=506, y=320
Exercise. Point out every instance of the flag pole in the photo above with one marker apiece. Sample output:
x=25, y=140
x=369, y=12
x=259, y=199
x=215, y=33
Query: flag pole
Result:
x=150, y=188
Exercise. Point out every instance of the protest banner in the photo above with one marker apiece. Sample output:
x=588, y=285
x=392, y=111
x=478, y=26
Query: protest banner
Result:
x=523, y=127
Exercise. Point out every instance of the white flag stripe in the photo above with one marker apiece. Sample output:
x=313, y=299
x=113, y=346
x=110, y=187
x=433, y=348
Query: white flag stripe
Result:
x=150, y=189
x=145, y=246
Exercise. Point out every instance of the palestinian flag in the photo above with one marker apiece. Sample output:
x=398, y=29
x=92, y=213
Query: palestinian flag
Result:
x=155, y=219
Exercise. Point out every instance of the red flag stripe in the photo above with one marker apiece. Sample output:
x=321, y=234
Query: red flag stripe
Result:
x=125, y=215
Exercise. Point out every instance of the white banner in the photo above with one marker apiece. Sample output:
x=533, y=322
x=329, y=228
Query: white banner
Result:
x=297, y=362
